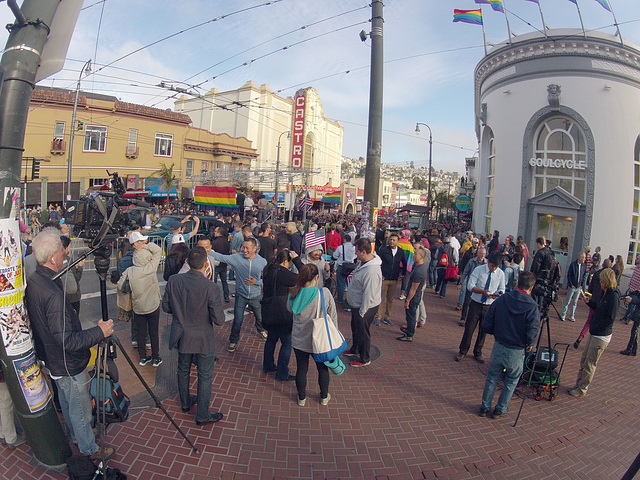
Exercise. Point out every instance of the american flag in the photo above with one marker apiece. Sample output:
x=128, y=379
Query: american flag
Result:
x=313, y=239
x=306, y=204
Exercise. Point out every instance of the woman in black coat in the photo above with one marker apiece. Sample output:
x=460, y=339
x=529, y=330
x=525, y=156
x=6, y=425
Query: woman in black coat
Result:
x=278, y=321
x=600, y=329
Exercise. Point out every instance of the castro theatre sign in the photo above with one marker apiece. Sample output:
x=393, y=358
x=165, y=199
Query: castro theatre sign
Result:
x=558, y=163
x=297, y=140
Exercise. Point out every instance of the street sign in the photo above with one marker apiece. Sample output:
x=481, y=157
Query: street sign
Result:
x=463, y=203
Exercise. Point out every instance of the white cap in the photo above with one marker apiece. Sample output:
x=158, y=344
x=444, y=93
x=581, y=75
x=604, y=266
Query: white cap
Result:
x=177, y=238
x=135, y=236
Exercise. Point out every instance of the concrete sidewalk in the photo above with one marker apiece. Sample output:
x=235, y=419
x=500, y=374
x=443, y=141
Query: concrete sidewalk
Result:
x=412, y=414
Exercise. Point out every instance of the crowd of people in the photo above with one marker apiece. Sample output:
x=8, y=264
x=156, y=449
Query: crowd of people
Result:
x=286, y=284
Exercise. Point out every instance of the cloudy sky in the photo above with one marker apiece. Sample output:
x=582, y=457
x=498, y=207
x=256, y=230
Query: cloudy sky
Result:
x=291, y=44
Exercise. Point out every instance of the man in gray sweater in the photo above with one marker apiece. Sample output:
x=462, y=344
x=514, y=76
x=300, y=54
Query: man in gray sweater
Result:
x=364, y=297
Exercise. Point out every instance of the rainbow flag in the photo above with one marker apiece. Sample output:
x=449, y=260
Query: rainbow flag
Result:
x=215, y=196
x=406, y=246
x=468, y=16
x=604, y=4
x=495, y=4
x=332, y=197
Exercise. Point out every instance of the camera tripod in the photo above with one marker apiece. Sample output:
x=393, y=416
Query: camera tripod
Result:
x=548, y=359
x=107, y=349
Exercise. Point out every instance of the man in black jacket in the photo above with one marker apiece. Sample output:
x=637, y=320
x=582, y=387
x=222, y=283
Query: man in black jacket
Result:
x=60, y=341
x=513, y=319
x=393, y=267
x=220, y=244
x=196, y=306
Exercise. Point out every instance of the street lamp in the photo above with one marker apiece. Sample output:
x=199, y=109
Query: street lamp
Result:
x=430, y=157
x=86, y=68
x=275, y=195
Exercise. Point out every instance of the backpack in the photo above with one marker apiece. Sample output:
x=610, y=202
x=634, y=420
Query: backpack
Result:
x=444, y=259
x=115, y=406
x=511, y=277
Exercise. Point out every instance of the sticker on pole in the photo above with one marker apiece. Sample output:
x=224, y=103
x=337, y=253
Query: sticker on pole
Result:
x=35, y=389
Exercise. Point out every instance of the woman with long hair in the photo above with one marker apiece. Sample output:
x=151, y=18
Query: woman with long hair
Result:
x=600, y=328
x=277, y=279
x=304, y=302
x=618, y=268
x=176, y=257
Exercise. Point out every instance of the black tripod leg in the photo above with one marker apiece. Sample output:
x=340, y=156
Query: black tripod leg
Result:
x=153, y=395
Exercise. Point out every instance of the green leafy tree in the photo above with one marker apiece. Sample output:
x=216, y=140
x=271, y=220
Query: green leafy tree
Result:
x=167, y=178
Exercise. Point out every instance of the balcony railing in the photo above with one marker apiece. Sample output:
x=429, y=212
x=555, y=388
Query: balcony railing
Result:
x=58, y=146
x=132, y=151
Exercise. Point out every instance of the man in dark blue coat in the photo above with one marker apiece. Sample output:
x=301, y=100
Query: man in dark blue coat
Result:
x=513, y=319
x=394, y=266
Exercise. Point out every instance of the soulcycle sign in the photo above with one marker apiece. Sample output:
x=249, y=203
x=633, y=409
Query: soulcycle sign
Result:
x=558, y=163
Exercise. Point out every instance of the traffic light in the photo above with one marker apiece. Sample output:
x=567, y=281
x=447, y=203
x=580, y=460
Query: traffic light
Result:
x=35, y=169
x=80, y=126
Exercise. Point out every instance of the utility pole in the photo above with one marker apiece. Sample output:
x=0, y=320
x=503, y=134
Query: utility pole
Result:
x=374, y=139
x=275, y=194
x=22, y=373
x=86, y=67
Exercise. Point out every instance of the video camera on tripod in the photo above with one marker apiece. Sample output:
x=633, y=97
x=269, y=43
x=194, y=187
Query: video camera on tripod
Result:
x=545, y=290
x=98, y=216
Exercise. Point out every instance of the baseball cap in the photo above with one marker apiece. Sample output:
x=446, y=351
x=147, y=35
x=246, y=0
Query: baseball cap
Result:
x=176, y=225
x=475, y=240
x=177, y=238
x=135, y=236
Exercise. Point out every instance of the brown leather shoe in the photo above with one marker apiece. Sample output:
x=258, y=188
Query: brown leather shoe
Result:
x=109, y=453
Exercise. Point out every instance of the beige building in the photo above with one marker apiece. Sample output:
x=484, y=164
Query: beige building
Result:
x=133, y=140
x=258, y=114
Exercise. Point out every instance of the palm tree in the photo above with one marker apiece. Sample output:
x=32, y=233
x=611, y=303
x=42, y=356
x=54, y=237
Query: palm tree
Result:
x=167, y=177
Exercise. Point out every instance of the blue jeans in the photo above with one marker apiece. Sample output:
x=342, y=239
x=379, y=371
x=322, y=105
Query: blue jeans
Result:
x=268, y=364
x=238, y=316
x=463, y=292
x=441, y=284
x=341, y=281
x=411, y=313
x=76, y=408
x=511, y=360
x=205, y=364
x=222, y=273
x=432, y=273
x=573, y=294
x=630, y=309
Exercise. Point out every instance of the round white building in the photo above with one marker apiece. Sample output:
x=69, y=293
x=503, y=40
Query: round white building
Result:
x=558, y=122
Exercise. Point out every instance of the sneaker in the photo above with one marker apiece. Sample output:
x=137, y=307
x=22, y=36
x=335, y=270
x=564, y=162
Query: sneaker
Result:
x=575, y=392
x=497, y=413
x=483, y=412
x=405, y=338
x=19, y=441
x=404, y=329
x=458, y=307
x=148, y=346
x=349, y=353
x=403, y=297
x=144, y=360
x=572, y=319
x=386, y=321
x=263, y=334
x=109, y=453
x=376, y=322
x=459, y=357
x=347, y=309
x=325, y=401
x=134, y=344
x=358, y=364
x=232, y=347
x=420, y=325
x=562, y=319
x=302, y=403
x=461, y=323
x=157, y=362
x=479, y=358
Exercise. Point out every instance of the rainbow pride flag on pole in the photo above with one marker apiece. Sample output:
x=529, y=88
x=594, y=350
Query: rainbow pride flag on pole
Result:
x=332, y=197
x=468, y=16
x=215, y=196
x=604, y=4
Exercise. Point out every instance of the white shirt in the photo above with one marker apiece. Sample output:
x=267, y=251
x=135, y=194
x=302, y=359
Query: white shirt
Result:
x=478, y=278
x=394, y=251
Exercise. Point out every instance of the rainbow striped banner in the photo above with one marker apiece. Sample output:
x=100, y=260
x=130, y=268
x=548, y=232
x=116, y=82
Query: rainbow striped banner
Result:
x=604, y=4
x=215, y=196
x=468, y=16
x=332, y=197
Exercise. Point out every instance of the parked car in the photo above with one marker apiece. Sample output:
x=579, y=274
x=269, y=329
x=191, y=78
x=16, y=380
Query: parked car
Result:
x=163, y=227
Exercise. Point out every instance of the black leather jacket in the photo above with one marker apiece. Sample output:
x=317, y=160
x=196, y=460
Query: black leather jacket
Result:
x=45, y=302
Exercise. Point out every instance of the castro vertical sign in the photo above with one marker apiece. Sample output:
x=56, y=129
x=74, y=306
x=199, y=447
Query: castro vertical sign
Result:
x=299, y=114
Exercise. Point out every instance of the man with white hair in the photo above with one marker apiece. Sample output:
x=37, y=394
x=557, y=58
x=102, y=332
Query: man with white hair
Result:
x=61, y=343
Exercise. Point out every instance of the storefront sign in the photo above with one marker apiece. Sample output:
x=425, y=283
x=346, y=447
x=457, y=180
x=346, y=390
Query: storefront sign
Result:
x=558, y=163
x=297, y=140
x=463, y=203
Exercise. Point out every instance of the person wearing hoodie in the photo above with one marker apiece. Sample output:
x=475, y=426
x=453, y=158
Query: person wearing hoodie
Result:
x=513, y=319
x=364, y=297
x=145, y=295
x=304, y=304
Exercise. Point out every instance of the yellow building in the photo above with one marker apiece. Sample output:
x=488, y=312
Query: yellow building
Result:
x=133, y=140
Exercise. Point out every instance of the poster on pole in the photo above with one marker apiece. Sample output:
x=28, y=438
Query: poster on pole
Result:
x=34, y=387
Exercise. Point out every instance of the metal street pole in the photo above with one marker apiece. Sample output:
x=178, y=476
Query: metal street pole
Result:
x=374, y=140
x=28, y=389
x=275, y=195
x=430, y=154
x=87, y=67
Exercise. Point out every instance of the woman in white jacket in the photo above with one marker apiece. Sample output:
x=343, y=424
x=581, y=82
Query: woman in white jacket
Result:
x=303, y=302
x=145, y=295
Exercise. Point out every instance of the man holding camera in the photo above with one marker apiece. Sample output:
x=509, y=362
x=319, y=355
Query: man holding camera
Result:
x=486, y=283
x=178, y=227
x=513, y=319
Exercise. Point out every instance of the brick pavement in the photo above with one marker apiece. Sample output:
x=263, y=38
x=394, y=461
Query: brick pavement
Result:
x=410, y=415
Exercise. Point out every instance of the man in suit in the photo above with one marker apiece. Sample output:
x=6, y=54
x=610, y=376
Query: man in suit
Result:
x=196, y=304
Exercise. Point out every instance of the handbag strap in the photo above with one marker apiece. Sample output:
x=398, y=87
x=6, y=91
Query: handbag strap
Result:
x=319, y=302
x=324, y=308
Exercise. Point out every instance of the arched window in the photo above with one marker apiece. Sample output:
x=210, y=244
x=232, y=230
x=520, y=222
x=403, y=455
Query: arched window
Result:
x=309, y=146
x=491, y=172
x=560, y=158
x=635, y=216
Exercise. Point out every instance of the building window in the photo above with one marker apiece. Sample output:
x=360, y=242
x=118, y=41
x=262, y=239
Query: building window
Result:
x=561, y=145
x=163, y=145
x=205, y=168
x=99, y=182
x=634, y=241
x=133, y=138
x=58, y=131
x=491, y=173
x=95, y=138
x=189, y=171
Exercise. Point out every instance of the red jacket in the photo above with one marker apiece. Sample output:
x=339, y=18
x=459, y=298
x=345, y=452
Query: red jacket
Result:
x=334, y=240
